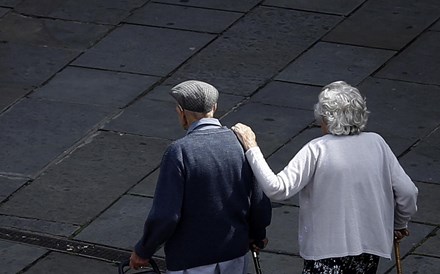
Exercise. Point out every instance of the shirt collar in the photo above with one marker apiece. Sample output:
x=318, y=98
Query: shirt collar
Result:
x=204, y=123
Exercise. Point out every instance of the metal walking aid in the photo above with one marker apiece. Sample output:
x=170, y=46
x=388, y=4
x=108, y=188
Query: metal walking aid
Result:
x=397, y=255
x=255, y=256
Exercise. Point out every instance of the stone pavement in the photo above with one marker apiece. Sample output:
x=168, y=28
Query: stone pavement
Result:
x=85, y=115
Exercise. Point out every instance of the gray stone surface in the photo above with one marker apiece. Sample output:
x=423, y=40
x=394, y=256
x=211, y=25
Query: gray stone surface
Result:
x=233, y=5
x=89, y=180
x=436, y=26
x=9, y=94
x=121, y=225
x=428, y=204
x=386, y=24
x=420, y=264
x=139, y=49
x=187, y=18
x=342, y=7
x=255, y=48
x=328, y=62
x=9, y=185
x=401, y=112
x=3, y=11
x=94, y=87
x=418, y=62
x=14, y=257
x=39, y=131
x=49, y=33
x=36, y=225
x=70, y=264
x=97, y=11
x=430, y=246
x=274, y=126
x=283, y=231
x=147, y=186
x=288, y=95
x=149, y=118
x=425, y=154
x=27, y=66
x=9, y=3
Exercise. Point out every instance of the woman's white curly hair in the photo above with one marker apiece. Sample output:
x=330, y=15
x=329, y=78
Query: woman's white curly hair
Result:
x=342, y=108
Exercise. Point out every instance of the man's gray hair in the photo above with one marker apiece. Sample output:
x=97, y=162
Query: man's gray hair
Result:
x=342, y=108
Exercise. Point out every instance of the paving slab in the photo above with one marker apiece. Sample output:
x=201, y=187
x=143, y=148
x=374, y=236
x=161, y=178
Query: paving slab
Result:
x=417, y=234
x=39, y=226
x=27, y=65
x=287, y=95
x=428, y=203
x=231, y=5
x=9, y=3
x=225, y=101
x=277, y=263
x=97, y=11
x=50, y=33
x=255, y=48
x=430, y=246
x=341, y=7
x=15, y=257
x=94, y=87
x=84, y=184
x=149, y=118
x=418, y=62
x=328, y=62
x=401, y=112
x=274, y=126
x=426, y=155
x=181, y=17
x=386, y=24
x=10, y=185
x=283, y=230
x=121, y=225
x=140, y=49
x=44, y=128
x=436, y=26
x=61, y=263
x=147, y=186
x=9, y=94
x=3, y=11
x=420, y=264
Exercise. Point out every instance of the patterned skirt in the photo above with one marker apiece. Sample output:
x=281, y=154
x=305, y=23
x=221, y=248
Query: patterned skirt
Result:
x=361, y=264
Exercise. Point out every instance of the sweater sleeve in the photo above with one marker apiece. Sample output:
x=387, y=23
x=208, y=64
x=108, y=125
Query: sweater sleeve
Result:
x=166, y=210
x=287, y=182
x=260, y=213
x=405, y=193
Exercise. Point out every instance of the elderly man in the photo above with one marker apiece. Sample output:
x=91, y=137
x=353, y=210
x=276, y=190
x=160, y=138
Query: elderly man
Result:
x=207, y=208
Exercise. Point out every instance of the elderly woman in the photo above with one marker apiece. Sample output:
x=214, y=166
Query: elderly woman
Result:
x=352, y=190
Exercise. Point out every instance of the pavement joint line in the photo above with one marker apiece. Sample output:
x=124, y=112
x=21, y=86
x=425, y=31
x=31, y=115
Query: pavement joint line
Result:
x=69, y=246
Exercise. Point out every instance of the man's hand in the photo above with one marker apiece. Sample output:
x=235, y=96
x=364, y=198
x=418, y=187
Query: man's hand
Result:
x=400, y=234
x=136, y=262
x=258, y=245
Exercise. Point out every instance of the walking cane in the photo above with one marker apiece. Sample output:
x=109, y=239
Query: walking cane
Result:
x=397, y=254
x=256, y=258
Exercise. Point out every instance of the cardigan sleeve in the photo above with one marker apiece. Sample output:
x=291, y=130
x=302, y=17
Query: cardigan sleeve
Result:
x=287, y=182
x=405, y=194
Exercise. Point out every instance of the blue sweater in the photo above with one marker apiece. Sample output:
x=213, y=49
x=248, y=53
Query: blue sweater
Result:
x=206, y=206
